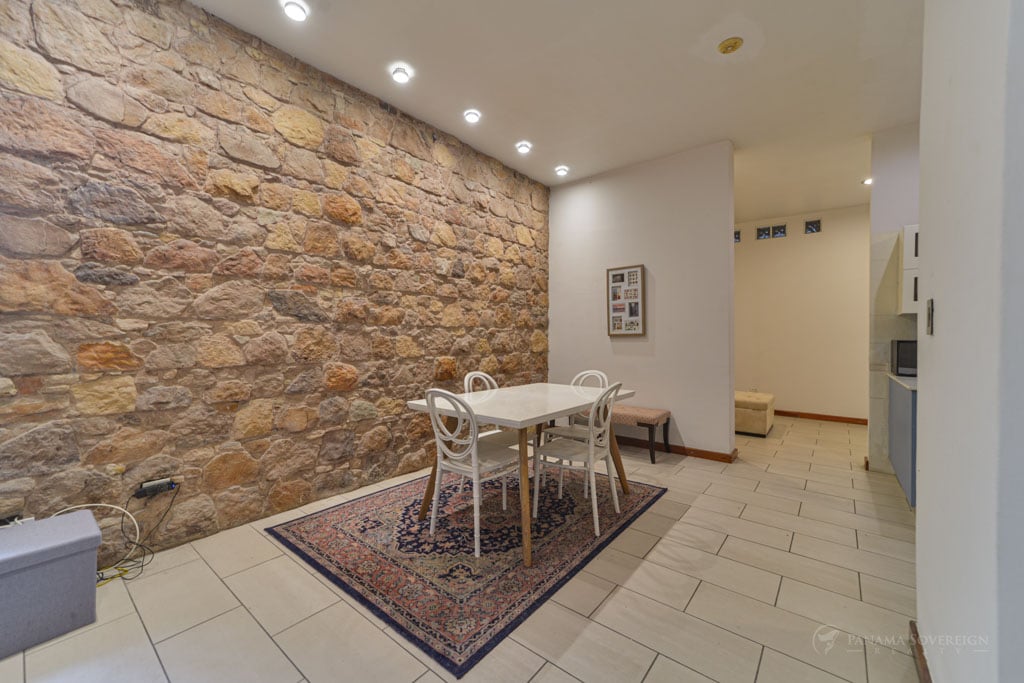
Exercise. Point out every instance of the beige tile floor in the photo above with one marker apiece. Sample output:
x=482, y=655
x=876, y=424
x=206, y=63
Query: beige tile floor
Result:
x=791, y=564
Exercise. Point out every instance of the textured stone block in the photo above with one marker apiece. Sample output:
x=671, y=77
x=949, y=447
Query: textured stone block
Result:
x=106, y=396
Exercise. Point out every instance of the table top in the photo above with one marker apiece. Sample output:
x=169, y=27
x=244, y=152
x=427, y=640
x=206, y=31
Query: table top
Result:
x=527, y=404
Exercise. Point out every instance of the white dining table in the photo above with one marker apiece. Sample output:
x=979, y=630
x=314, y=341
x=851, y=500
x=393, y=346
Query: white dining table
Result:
x=521, y=407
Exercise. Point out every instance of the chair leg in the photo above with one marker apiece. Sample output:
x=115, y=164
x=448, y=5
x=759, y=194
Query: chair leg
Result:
x=538, y=467
x=476, y=516
x=664, y=431
x=586, y=484
x=561, y=480
x=611, y=480
x=593, y=496
x=437, y=500
x=504, y=494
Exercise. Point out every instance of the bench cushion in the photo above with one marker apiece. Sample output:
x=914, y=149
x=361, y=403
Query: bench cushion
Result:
x=754, y=401
x=635, y=415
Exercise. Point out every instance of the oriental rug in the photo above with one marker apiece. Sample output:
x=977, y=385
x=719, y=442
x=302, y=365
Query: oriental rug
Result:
x=452, y=605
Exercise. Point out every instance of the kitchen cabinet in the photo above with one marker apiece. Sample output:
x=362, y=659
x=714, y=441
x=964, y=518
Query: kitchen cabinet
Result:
x=903, y=433
x=909, y=288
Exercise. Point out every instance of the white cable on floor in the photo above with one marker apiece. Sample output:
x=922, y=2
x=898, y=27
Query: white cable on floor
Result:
x=135, y=523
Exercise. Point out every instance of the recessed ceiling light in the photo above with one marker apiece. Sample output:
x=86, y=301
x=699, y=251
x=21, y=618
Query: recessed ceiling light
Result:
x=730, y=45
x=867, y=181
x=471, y=115
x=401, y=74
x=523, y=146
x=296, y=10
x=562, y=170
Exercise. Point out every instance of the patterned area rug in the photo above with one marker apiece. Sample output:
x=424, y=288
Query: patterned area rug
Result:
x=452, y=605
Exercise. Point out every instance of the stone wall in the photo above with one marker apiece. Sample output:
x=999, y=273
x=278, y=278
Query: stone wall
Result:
x=220, y=265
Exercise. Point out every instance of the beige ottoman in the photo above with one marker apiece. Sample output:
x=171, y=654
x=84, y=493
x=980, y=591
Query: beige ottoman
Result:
x=755, y=413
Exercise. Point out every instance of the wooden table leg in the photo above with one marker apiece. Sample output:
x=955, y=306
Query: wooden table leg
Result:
x=524, y=493
x=428, y=497
x=617, y=459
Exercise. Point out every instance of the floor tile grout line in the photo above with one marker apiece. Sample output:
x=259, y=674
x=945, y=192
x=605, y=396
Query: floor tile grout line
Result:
x=548, y=661
x=744, y=519
x=729, y=559
x=723, y=628
x=858, y=570
x=784, y=576
x=650, y=666
x=258, y=564
x=866, y=518
x=811, y=585
x=760, y=659
x=145, y=629
x=255, y=620
x=399, y=640
x=512, y=637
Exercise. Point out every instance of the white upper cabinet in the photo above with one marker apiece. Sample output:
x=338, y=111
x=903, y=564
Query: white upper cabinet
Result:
x=910, y=294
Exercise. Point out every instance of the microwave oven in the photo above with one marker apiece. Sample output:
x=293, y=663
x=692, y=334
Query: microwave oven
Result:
x=904, y=357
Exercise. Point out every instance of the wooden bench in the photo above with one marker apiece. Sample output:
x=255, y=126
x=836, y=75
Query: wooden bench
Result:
x=635, y=416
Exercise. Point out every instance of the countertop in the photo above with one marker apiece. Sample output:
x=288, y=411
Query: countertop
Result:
x=906, y=382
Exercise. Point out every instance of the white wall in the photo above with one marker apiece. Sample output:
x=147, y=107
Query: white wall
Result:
x=1011, y=392
x=802, y=313
x=895, y=168
x=674, y=215
x=970, y=547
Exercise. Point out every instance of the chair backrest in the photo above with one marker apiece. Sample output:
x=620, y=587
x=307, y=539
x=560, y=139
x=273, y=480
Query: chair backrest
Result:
x=477, y=377
x=600, y=418
x=455, y=441
x=590, y=378
x=587, y=378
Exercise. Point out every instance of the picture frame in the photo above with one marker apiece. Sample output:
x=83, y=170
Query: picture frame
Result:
x=625, y=303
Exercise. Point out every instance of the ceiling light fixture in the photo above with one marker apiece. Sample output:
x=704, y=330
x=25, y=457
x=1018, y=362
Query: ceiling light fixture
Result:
x=524, y=146
x=471, y=115
x=730, y=45
x=296, y=10
x=401, y=74
x=562, y=170
x=867, y=181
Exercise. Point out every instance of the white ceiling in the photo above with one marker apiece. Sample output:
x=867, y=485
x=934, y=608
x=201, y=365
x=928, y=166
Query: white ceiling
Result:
x=601, y=84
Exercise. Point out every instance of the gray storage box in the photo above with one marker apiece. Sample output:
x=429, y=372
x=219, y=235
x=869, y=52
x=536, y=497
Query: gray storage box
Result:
x=47, y=579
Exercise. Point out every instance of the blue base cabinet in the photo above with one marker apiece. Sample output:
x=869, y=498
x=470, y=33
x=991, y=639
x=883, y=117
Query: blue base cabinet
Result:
x=903, y=433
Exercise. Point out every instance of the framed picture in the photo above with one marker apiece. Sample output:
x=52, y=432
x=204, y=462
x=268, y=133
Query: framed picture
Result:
x=764, y=233
x=624, y=302
x=778, y=231
x=812, y=227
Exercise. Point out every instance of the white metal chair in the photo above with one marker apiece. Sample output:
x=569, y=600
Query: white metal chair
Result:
x=471, y=379
x=460, y=450
x=481, y=381
x=577, y=427
x=570, y=454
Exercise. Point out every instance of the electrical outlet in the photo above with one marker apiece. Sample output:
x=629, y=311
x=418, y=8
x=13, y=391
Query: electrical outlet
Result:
x=151, y=488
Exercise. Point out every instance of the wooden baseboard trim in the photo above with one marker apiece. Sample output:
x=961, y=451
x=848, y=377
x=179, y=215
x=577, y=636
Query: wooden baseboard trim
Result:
x=920, y=661
x=681, y=450
x=823, y=418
